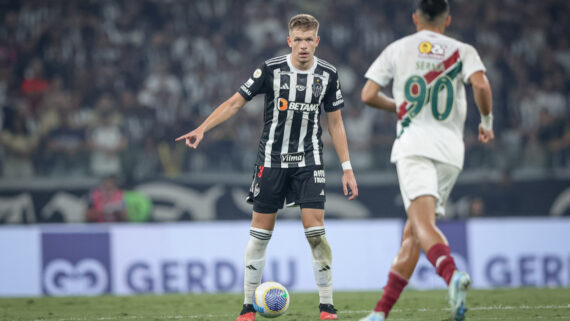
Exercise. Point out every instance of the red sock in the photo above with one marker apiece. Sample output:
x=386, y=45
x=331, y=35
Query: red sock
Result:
x=392, y=290
x=446, y=266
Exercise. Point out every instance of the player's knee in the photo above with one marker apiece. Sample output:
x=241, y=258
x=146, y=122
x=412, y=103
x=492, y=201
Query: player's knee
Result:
x=320, y=248
x=314, y=241
x=257, y=243
x=315, y=236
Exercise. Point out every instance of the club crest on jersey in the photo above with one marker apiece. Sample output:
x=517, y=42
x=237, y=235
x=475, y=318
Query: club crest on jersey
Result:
x=429, y=49
x=257, y=73
x=317, y=87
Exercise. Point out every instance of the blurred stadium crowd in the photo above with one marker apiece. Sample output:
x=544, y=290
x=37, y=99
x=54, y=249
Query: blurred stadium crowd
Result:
x=98, y=88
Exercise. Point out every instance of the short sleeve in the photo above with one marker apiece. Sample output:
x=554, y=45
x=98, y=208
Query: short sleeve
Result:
x=382, y=69
x=333, y=99
x=256, y=84
x=471, y=63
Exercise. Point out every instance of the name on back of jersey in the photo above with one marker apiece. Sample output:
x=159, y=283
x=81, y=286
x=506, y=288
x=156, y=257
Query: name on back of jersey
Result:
x=430, y=66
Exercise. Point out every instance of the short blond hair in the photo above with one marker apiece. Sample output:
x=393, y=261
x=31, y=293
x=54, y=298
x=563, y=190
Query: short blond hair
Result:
x=304, y=22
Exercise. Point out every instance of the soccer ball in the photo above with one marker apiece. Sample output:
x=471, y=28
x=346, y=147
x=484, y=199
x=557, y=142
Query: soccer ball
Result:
x=271, y=299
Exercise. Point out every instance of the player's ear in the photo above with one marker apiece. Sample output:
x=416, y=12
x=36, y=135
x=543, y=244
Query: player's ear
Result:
x=447, y=21
x=317, y=41
x=415, y=18
x=289, y=41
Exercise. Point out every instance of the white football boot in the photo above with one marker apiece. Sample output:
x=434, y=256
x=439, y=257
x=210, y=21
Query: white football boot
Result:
x=460, y=282
x=374, y=316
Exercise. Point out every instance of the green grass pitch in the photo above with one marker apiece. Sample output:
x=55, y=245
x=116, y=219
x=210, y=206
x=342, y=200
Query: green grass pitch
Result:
x=517, y=304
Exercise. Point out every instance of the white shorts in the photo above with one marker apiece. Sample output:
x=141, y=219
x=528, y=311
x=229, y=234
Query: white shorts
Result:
x=419, y=176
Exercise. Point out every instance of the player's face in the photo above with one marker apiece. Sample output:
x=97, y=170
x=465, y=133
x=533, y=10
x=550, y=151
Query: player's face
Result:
x=303, y=45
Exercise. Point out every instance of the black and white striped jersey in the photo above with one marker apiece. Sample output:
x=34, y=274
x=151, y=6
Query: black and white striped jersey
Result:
x=292, y=131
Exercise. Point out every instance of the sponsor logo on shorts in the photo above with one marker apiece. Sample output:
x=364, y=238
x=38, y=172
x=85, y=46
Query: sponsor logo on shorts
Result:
x=319, y=176
x=293, y=157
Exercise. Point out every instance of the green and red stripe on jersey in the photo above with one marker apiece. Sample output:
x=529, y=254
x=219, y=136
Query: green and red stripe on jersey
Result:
x=430, y=76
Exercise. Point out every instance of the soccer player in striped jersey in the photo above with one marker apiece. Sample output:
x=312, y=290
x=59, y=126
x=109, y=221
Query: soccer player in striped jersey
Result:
x=289, y=166
x=428, y=70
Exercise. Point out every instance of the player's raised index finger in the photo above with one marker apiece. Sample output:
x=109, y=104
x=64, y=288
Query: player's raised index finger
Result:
x=181, y=138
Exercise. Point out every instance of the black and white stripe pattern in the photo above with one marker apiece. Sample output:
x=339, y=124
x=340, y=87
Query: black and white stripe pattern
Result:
x=315, y=231
x=260, y=234
x=293, y=103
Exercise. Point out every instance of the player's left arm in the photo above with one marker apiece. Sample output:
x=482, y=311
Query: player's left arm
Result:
x=372, y=96
x=484, y=99
x=338, y=135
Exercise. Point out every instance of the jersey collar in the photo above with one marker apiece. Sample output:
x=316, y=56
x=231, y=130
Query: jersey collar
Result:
x=308, y=71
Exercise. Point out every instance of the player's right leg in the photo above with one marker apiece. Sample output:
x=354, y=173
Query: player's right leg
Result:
x=400, y=272
x=427, y=198
x=262, y=225
x=267, y=190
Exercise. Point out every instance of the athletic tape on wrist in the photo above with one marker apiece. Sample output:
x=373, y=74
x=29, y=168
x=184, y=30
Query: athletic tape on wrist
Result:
x=487, y=121
x=346, y=165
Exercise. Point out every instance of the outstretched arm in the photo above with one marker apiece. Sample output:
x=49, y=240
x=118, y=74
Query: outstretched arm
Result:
x=222, y=113
x=338, y=135
x=372, y=97
x=484, y=99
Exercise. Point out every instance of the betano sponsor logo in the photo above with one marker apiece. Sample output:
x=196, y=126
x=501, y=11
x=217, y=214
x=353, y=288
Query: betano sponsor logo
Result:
x=295, y=106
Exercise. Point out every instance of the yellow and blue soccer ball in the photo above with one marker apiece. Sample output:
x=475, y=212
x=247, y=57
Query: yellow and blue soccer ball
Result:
x=271, y=299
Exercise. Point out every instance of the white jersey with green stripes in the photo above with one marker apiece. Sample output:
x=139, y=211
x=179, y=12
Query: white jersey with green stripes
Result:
x=429, y=71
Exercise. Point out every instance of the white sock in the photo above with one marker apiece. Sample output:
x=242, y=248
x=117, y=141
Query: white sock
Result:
x=254, y=261
x=322, y=262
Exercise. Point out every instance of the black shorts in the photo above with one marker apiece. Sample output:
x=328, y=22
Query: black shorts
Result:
x=300, y=186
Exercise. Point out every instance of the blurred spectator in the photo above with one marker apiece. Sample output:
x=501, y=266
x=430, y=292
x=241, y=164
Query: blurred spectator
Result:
x=106, y=203
x=177, y=58
x=476, y=207
x=138, y=206
x=34, y=84
x=18, y=143
x=162, y=92
x=554, y=136
x=106, y=142
x=66, y=149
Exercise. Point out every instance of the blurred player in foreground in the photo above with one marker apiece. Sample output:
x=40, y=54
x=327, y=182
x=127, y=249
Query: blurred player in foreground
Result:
x=428, y=70
x=289, y=164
